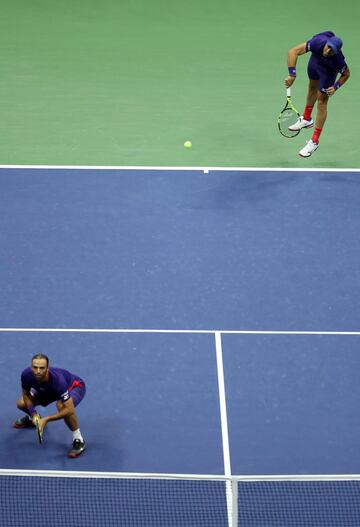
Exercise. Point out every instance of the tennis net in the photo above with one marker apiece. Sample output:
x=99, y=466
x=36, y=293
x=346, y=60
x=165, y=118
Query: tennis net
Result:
x=94, y=499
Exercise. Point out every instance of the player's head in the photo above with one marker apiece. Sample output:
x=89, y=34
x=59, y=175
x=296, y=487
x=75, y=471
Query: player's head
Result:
x=39, y=366
x=332, y=46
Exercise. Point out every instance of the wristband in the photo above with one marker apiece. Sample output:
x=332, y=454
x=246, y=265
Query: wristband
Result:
x=31, y=410
x=337, y=85
x=292, y=71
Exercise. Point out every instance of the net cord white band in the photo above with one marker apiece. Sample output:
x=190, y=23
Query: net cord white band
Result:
x=163, y=476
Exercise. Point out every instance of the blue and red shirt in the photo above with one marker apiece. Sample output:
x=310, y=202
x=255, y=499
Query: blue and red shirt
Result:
x=56, y=387
x=316, y=45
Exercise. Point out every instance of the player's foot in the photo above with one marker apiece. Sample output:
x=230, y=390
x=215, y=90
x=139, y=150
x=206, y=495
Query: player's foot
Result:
x=77, y=448
x=301, y=123
x=308, y=149
x=23, y=422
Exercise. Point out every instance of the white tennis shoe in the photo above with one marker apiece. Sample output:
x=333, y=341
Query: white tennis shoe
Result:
x=308, y=149
x=301, y=123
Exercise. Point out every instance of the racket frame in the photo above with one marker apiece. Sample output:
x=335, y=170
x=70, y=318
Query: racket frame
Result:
x=39, y=433
x=288, y=105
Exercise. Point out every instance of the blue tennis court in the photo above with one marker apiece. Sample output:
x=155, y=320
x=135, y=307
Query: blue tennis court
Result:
x=212, y=313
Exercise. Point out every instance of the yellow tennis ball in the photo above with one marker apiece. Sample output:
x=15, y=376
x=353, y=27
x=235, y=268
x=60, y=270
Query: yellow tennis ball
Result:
x=188, y=144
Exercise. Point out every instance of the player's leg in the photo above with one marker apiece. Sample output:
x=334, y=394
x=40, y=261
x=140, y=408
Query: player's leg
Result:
x=318, y=80
x=71, y=421
x=311, y=98
x=305, y=120
x=321, y=115
x=25, y=421
x=326, y=79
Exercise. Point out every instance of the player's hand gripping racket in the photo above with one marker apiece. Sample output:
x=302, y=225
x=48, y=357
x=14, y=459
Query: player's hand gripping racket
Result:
x=288, y=117
x=38, y=430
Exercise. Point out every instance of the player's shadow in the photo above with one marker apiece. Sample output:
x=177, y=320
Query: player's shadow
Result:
x=20, y=448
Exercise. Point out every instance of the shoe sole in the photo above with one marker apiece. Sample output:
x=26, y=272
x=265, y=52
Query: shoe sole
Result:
x=22, y=427
x=309, y=154
x=302, y=128
x=73, y=456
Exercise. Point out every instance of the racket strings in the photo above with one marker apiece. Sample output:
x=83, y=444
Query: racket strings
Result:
x=287, y=118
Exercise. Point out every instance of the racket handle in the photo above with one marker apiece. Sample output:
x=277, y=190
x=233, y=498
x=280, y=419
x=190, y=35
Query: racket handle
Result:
x=288, y=92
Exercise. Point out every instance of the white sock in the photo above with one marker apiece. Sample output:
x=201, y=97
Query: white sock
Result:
x=77, y=435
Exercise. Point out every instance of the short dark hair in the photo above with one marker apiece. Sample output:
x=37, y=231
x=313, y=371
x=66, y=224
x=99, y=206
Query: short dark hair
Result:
x=41, y=356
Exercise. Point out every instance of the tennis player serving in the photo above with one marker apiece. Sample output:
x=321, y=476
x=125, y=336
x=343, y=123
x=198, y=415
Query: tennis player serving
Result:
x=43, y=385
x=325, y=64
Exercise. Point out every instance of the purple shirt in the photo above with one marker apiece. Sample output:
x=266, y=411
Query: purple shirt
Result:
x=56, y=388
x=316, y=46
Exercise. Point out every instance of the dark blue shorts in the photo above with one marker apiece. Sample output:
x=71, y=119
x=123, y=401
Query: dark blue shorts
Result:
x=325, y=76
x=76, y=392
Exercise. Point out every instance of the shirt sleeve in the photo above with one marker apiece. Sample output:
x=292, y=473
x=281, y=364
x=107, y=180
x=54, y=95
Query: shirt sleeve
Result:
x=65, y=396
x=341, y=70
x=341, y=65
x=315, y=45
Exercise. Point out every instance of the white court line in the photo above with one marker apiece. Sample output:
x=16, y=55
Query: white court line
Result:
x=222, y=400
x=180, y=168
x=189, y=331
x=230, y=502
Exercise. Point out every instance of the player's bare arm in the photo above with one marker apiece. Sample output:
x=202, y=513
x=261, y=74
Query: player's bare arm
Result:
x=293, y=55
x=28, y=401
x=340, y=82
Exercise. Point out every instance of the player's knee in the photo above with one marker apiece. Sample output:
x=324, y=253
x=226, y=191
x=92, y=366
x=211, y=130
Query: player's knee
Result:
x=322, y=101
x=60, y=406
x=20, y=404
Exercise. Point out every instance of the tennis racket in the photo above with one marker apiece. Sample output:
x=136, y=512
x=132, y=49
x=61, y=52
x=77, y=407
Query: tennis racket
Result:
x=39, y=432
x=288, y=117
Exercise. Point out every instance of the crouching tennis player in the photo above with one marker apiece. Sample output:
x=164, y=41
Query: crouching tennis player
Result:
x=43, y=385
